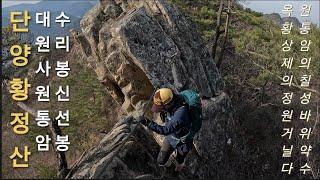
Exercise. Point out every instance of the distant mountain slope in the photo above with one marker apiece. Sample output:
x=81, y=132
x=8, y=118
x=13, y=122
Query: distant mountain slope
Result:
x=54, y=30
x=74, y=9
x=276, y=18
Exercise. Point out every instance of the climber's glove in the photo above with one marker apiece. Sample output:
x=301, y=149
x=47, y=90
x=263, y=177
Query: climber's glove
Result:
x=143, y=120
x=188, y=137
x=163, y=116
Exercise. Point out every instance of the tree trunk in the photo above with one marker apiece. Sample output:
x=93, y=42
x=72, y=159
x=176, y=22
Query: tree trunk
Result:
x=218, y=32
x=225, y=39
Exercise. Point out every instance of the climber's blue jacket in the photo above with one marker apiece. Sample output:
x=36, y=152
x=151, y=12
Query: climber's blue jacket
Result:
x=177, y=125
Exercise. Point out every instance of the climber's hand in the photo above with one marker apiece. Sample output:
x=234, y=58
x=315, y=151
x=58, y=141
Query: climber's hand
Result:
x=187, y=138
x=183, y=139
x=143, y=120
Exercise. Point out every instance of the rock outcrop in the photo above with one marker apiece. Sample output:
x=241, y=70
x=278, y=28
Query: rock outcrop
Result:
x=134, y=47
x=276, y=18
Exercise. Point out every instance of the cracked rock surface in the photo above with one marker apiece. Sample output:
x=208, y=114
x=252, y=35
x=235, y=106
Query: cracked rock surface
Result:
x=135, y=47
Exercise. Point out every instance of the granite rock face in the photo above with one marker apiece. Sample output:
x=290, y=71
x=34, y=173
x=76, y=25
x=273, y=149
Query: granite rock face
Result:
x=136, y=47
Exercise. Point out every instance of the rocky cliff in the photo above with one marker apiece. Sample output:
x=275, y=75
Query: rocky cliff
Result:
x=135, y=47
x=276, y=19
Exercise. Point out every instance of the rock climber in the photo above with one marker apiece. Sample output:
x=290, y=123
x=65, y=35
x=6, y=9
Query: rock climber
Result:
x=182, y=115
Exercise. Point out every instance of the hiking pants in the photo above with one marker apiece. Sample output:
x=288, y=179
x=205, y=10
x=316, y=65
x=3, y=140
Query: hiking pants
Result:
x=166, y=150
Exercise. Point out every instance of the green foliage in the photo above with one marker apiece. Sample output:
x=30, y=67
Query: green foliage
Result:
x=87, y=113
x=252, y=35
x=202, y=12
x=256, y=37
x=87, y=104
x=9, y=37
x=250, y=11
x=266, y=42
x=46, y=172
x=249, y=18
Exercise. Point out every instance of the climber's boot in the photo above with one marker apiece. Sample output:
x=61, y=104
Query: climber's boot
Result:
x=169, y=162
x=179, y=167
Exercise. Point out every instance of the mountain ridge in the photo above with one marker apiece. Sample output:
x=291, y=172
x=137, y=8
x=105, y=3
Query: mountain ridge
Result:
x=277, y=19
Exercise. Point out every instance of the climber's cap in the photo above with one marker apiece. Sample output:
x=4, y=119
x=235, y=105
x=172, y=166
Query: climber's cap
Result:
x=161, y=97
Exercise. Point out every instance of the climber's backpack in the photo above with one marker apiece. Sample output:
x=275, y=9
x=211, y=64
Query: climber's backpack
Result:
x=192, y=98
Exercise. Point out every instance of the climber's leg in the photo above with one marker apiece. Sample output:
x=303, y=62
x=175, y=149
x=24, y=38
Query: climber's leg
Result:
x=182, y=152
x=180, y=160
x=164, y=154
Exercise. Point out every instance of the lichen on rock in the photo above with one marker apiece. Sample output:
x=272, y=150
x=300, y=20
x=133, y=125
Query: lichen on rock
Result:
x=134, y=48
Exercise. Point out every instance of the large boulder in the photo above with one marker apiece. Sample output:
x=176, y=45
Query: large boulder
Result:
x=136, y=47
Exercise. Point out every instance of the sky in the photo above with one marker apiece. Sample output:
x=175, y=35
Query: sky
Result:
x=257, y=5
x=6, y=3
x=273, y=6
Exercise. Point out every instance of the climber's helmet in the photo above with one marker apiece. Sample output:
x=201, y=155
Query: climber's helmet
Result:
x=161, y=98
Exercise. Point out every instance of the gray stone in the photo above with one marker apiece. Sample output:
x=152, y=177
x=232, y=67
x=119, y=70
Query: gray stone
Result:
x=152, y=44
